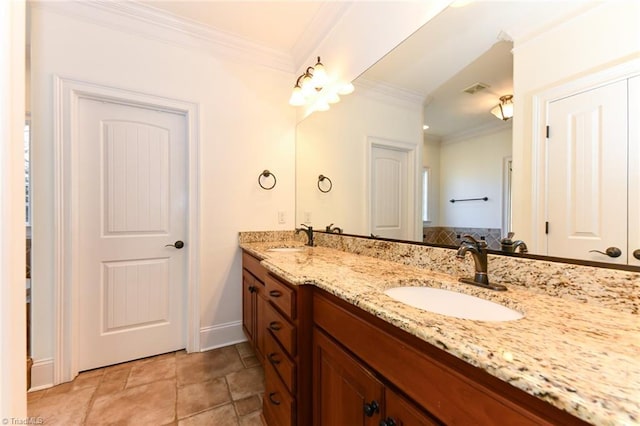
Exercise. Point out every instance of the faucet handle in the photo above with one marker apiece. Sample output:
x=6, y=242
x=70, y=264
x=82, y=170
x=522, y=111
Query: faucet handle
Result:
x=480, y=244
x=306, y=226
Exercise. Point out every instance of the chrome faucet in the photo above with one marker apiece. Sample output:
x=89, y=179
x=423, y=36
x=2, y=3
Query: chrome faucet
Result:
x=307, y=230
x=478, y=250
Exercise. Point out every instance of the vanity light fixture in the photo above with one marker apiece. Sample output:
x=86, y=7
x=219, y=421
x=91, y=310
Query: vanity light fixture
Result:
x=504, y=110
x=314, y=88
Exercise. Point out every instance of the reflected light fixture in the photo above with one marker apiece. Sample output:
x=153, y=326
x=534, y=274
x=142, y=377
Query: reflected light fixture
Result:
x=504, y=110
x=313, y=87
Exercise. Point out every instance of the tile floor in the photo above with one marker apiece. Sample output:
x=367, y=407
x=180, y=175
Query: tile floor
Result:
x=219, y=387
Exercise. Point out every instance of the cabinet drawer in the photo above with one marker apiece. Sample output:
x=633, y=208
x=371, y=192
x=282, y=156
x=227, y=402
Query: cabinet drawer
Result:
x=281, y=295
x=280, y=362
x=283, y=331
x=253, y=265
x=278, y=405
x=403, y=413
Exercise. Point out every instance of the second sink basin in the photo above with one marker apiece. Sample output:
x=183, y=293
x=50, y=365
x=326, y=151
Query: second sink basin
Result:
x=286, y=249
x=453, y=304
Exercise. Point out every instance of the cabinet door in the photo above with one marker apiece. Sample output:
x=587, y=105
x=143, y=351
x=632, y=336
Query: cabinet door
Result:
x=345, y=392
x=260, y=321
x=400, y=412
x=248, y=314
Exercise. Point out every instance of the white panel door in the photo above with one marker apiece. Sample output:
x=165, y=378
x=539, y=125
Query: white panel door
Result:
x=634, y=171
x=389, y=201
x=132, y=203
x=587, y=174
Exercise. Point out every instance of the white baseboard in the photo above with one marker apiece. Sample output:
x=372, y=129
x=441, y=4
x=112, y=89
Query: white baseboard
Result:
x=41, y=374
x=217, y=336
x=212, y=337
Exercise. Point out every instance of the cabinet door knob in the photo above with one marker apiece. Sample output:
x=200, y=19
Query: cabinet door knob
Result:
x=388, y=422
x=371, y=408
x=636, y=254
x=611, y=251
x=275, y=325
x=272, y=399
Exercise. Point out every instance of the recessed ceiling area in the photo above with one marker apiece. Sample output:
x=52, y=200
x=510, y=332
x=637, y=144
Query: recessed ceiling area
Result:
x=451, y=110
x=460, y=47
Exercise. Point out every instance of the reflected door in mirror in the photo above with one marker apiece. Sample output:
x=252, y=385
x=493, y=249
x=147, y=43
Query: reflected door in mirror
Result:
x=587, y=187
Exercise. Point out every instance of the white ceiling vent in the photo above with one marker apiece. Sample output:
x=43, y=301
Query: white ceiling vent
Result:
x=475, y=88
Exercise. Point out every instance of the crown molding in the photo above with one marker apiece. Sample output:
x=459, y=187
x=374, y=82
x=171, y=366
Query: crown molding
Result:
x=476, y=132
x=389, y=93
x=140, y=19
x=317, y=31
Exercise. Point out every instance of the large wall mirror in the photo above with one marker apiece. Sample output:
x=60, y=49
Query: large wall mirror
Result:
x=392, y=177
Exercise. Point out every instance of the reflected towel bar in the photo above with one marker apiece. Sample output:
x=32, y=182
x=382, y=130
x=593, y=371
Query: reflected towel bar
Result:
x=470, y=199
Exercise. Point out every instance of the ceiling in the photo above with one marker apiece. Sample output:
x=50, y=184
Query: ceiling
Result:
x=463, y=46
x=285, y=27
x=459, y=47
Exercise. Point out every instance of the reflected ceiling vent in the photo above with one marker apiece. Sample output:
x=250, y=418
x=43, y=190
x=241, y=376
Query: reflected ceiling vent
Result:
x=475, y=88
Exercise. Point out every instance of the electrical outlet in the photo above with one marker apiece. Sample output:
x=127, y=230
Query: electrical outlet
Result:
x=282, y=217
x=307, y=218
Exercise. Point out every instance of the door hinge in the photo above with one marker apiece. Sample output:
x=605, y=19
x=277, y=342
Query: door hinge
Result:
x=546, y=227
x=547, y=132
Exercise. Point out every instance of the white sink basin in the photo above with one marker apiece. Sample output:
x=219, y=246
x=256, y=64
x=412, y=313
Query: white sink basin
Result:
x=453, y=304
x=286, y=249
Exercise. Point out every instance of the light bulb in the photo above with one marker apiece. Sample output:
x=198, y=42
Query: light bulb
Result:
x=332, y=97
x=321, y=105
x=307, y=85
x=297, y=98
x=346, y=88
x=319, y=75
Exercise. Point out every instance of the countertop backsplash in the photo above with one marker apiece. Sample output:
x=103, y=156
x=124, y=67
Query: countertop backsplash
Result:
x=610, y=288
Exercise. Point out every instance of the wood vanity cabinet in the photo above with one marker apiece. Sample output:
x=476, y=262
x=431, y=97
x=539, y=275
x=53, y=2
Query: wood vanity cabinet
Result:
x=287, y=325
x=359, y=358
x=253, y=303
x=346, y=392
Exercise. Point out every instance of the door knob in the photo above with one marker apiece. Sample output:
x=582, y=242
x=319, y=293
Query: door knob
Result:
x=636, y=254
x=178, y=244
x=611, y=251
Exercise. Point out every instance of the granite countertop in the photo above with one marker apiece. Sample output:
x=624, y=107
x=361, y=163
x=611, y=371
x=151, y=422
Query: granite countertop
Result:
x=581, y=358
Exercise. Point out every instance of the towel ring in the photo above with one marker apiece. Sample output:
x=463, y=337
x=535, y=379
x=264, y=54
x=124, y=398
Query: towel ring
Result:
x=322, y=178
x=266, y=174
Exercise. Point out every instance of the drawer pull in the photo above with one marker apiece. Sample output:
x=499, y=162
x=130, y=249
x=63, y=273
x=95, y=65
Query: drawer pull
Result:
x=275, y=293
x=273, y=401
x=272, y=358
x=371, y=408
x=388, y=422
x=275, y=325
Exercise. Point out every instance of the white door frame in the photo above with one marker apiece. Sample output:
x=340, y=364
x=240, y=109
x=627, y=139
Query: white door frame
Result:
x=67, y=93
x=541, y=102
x=414, y=166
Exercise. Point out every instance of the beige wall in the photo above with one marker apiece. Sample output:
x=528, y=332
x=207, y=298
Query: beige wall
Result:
x=245, y=126
x=602, y=37
x=334, y=143
x=473, y=168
